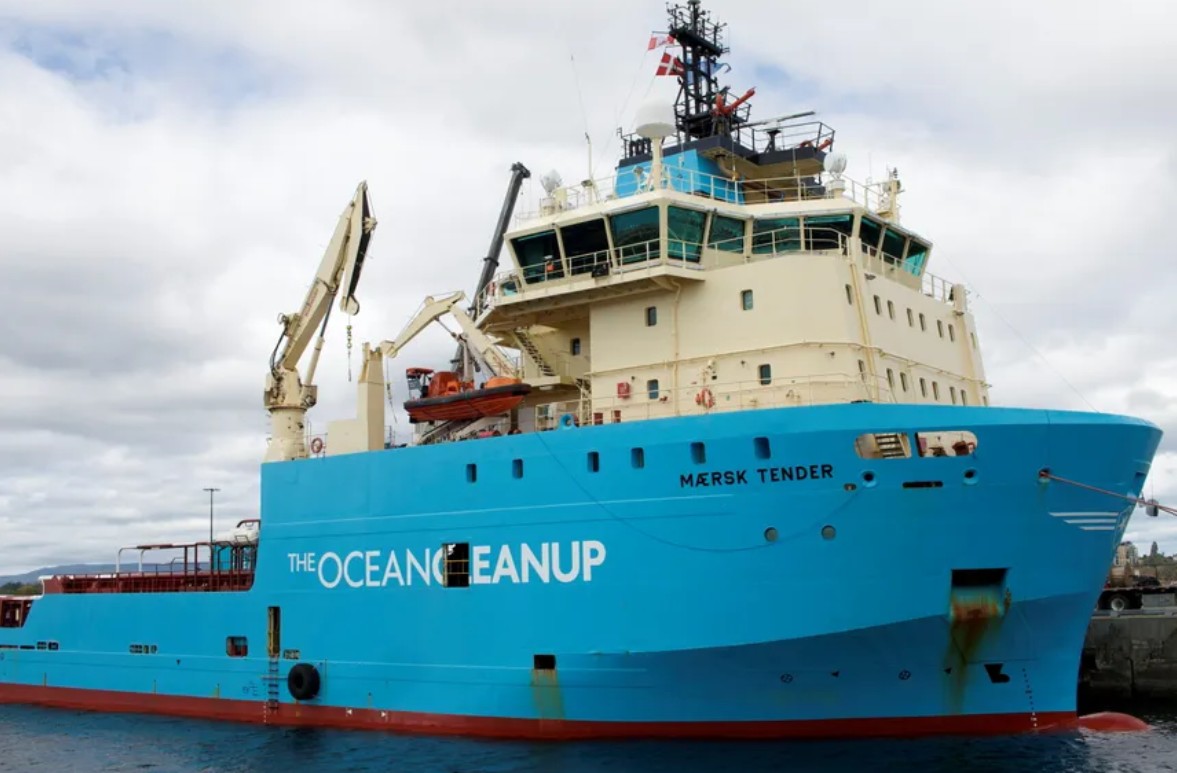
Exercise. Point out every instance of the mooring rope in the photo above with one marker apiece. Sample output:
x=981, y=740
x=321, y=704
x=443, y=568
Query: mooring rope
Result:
x=1045, y=474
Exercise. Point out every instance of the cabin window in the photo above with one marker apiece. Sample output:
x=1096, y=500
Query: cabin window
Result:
x=870, y=232
x=964, y=397
x=891, y=378
x=727, y=234
x=952, y=394
x=940, y=328
x=893, y=245
x=917, y=255
x=651, y=316
x=849, y=295
x=935, y=390
x=698, y=453
x=862, y=369
x=951, y=334
x=765, y=374
x=903, y=380
x=762, y=448
x=593, y=460
x=746, y=300
x=236, y=646
x=616, y=415
x=779, y=234
x=637, y=458
x=575, y=346
x=923, y=322
x=457, y=564
x=891, y=310
x=471, y=473
x=538, y=256
x=923, y=387
x=517, y=468
x=910, y=319
x=586, y=246
x=878, y=306
x=652, y=389
x=684, y=233
x=635, y=234
x=828, y=232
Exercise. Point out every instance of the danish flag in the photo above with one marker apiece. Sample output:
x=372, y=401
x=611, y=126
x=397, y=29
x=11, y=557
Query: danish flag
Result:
x=670, y=65
x=657, y=41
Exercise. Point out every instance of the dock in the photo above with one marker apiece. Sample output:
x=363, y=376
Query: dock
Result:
x=1130, y=656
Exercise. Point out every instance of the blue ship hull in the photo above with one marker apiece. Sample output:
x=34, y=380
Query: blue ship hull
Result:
x=711, y=585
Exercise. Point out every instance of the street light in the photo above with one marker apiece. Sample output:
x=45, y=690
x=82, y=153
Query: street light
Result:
x=210, y=491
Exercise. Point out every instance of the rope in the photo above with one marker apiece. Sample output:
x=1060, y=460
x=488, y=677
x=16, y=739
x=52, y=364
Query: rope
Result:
x=1152, y=503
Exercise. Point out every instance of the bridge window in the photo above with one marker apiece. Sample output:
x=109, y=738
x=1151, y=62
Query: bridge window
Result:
x=917, y=255
x=780, y=234
x=746, y=300
x=727, y=234
x=893, y=245
x=586, y=246
x=870, y=232
x=538, y=256
x=635, y=234
x=684, y=232
x=828, y=232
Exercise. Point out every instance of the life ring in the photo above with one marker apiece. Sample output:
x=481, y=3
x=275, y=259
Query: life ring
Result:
x=303, y=681
x=317, y=445
x=705, y=398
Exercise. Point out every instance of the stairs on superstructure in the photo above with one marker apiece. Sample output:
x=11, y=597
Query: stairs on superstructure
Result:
x=527, y=345
x=890, y=445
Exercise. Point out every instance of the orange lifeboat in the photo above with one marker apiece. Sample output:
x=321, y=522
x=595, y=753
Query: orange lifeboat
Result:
x=445, y=397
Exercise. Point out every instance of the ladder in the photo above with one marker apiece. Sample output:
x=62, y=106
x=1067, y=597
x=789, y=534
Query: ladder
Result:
x=273, y=686
x=890, y=446
x=527, y=345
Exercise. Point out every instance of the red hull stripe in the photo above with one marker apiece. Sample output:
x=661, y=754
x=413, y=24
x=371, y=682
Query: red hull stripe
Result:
x=301, y=714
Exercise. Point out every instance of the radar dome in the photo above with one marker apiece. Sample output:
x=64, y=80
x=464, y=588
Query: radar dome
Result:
x=835, y=163
x=551, y=181
x=655, y=119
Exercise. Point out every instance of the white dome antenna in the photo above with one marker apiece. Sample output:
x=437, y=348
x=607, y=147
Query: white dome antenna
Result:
x=655, y=120
x=551, y=181
x=835, y=164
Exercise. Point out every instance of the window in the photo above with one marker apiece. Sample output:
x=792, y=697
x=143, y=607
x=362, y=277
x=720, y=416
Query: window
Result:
x=951, y=333
x=923, y=387
x=651, y=316
x=903, y=380
x=890, y=378
x=935, y=390
x=952, y=394
x=828, y=232
x=544, y=662
x=727, y=234
x=575, y=346
x=236, y=646
x=746, y=300
x=878, y=306
x=917, y=255
x=698, y=453
x=778, y=234
x=870, y=231
x=586, y=246
x=471, y=473
x=598, y=417
x=538, y=256
x=616, y=415
x=652, y=389
x=862, y=369
x=765, y=374
x=517, y=468
x=594, y=461
x=940, y=328
x=684, y=233
x=762, y=448
x=923, y=323
x=964, y=397
x=457, y=564
x=849, y=295
x=891, y=310
x=910, y=319
x=637, y=458
x=635, y=234
x=893, y=245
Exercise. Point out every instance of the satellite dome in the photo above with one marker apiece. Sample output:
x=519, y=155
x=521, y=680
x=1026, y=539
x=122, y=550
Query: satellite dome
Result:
x=655, y=119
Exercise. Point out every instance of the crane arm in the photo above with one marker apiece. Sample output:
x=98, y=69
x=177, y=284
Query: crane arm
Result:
x=479, y=344
x=433, y=309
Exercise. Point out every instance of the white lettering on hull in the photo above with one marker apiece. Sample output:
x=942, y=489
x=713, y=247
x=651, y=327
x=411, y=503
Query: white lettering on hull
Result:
x=506, y=564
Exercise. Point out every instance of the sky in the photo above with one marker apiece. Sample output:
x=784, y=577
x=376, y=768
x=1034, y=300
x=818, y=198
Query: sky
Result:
x=173, y=171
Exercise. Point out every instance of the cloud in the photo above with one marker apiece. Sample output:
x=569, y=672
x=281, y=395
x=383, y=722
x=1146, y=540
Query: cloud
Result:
x=173, y=173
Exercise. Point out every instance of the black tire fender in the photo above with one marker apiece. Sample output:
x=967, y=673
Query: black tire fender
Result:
x=303, y=681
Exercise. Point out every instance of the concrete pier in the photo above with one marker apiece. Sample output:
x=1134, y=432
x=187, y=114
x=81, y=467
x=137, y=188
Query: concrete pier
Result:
x=1130, y=656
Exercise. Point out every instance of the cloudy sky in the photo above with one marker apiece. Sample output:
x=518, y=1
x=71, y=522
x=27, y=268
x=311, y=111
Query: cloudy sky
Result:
x=171, y=172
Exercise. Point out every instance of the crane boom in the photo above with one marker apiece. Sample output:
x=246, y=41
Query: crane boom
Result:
x=477, y=342
x=287, y=397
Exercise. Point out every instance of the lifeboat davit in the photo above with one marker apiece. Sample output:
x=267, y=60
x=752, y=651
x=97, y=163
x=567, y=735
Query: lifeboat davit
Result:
x=447, y=398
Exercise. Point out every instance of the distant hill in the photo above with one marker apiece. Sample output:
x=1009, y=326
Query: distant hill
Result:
x=32, y=576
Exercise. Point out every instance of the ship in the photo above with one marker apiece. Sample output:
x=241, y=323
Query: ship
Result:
x=754, y=487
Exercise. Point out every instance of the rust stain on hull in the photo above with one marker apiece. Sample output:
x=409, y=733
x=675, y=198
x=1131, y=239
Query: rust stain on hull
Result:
x=546, y=694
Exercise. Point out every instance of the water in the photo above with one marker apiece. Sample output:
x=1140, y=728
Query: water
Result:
x=35, y=739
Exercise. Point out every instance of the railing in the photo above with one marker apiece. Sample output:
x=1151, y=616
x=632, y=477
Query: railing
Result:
x=763, y=138
x=693, y=182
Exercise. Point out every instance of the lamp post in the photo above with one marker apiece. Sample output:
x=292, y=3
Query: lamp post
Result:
x=210, y=491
